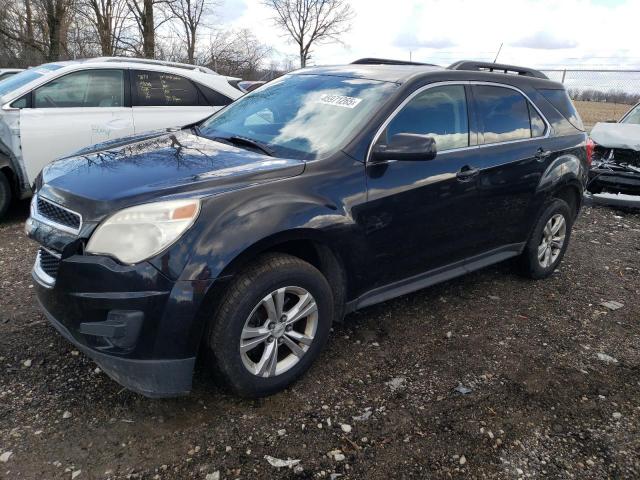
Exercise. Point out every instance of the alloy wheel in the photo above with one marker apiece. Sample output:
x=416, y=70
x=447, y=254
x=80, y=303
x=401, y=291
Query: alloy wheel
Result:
x=552, y=241
x=279, y=331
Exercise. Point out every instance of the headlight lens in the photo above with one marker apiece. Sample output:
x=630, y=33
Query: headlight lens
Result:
x=137, y=233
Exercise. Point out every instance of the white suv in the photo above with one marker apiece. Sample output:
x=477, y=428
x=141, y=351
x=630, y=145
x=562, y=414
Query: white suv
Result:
x=55, y=109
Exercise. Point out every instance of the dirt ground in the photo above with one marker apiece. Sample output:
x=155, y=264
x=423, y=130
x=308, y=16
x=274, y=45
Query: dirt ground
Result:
x=594, y=112
x=551, y=380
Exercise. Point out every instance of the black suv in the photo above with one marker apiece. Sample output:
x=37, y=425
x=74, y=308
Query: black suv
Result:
x=324, y=191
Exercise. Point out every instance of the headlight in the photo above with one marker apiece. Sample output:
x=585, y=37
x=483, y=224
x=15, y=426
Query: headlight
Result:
x=137, y=233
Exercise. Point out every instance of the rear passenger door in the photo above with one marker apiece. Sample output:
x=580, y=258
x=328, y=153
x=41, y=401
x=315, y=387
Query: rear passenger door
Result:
x=514, y=155
x=164, y=100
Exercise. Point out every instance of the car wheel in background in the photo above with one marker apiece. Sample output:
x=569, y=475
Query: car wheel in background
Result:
x=548, y=241
x=5, y=194
x=271, y=325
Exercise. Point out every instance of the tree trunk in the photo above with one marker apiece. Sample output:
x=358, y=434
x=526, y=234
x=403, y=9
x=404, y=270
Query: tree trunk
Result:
x=54, y=24
x=148, y=30
x=191, y=45
x=303, y=57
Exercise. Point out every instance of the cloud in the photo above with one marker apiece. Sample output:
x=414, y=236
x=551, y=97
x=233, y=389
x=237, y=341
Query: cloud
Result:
x=231, y=10
x=544, y=40
x=410, y=40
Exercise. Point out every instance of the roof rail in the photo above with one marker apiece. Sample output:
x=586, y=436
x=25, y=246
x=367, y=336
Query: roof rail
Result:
x=386, y=61
x=496, y=68
x=149, y=61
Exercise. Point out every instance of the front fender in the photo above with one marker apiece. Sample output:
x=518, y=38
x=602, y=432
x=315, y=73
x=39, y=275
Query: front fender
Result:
x=262, y=221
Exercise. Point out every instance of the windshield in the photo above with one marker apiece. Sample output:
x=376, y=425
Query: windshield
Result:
x=301, y=116
x=21, y=79
x=633, y=116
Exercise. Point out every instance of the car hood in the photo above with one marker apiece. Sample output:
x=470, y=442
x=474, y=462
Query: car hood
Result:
x=151, y=167
x=617, y=135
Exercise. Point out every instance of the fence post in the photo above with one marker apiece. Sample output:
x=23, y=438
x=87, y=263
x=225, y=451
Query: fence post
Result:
x=564, y=74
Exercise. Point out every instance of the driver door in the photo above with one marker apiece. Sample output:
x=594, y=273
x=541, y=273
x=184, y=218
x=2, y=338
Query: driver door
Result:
x=73, y=112
x=422, y=215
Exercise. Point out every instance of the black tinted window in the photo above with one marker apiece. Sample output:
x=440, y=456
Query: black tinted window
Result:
x=561, y=101
x=503, y=113
x=89, y=88
x=214, y=98
x=159, y=89
x=439, y=112
x=538, y=126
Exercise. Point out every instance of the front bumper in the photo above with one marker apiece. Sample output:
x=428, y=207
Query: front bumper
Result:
x=614, y=181
x=142, y=328
x=151, y=378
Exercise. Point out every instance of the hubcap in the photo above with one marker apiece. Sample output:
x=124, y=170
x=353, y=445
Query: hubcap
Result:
x=552, y=240
x=279, y=331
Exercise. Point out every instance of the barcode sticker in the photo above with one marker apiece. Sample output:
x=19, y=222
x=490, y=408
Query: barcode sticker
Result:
x=339, y=100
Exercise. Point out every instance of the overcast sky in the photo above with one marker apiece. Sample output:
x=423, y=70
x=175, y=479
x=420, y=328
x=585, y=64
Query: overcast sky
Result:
x=538, y=33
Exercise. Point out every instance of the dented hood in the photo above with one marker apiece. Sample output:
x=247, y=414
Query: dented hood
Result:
x=617, y=135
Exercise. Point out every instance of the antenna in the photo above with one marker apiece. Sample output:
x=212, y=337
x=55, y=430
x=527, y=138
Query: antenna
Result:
x=497, y=54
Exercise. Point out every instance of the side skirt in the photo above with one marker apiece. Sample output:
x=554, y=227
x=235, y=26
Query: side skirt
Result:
x=432, y=277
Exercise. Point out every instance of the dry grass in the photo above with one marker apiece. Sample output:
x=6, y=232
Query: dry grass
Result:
x=594, y=112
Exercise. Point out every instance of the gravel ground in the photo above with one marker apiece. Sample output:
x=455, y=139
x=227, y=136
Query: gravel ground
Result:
x=486, y=376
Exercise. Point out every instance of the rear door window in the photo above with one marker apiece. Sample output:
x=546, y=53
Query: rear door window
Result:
x=89, y=88
x=161, y=89
x=503, y=113
x=439, y=112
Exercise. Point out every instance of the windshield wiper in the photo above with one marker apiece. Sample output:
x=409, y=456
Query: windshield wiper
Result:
x=238, y=140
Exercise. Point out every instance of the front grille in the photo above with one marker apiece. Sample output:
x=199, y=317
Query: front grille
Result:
x=56, y=214
x=48, y=263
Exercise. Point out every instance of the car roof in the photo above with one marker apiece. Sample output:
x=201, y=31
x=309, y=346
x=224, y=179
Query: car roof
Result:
x=383, y=73
x=402, y=73
x=202, y=75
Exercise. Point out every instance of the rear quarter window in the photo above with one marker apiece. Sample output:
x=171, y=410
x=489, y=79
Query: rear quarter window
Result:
x=561, y=102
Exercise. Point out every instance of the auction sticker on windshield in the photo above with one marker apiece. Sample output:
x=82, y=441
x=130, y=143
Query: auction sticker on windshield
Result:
x=339, y=100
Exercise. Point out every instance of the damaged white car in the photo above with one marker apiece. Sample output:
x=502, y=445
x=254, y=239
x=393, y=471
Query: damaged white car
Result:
x=616, y=156
x=53, y=110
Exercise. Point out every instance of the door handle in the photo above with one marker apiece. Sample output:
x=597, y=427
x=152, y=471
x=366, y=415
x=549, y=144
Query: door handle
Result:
x=467, y=173
x=542, y=154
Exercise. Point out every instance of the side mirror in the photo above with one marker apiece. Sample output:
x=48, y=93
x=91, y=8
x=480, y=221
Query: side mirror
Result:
x=406, y=146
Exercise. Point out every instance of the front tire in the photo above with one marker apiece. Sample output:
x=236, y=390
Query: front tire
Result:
x=271, y=324
x=5, y=195
x=549, y=240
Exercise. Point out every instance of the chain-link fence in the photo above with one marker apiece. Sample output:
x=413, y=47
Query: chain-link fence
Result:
x=600, y=95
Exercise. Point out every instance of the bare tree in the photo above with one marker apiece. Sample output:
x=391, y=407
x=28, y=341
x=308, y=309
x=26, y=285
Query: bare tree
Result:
x=144, y=13
x=237, y=53
x=189, y=14
x=311, y=22
x=39, y=27
x=107, y=17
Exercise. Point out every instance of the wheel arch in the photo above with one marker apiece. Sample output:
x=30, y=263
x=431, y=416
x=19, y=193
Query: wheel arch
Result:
x=307, y=244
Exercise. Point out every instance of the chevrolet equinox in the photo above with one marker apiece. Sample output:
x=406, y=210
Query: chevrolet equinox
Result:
x=243, y=237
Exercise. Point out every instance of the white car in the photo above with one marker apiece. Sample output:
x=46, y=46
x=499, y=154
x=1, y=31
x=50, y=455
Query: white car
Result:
x=53, y=110
x=8, y=72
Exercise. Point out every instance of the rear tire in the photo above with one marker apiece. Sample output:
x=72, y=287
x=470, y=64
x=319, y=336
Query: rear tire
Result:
x=549, y=241
x=257, y=344
x=5, y=194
